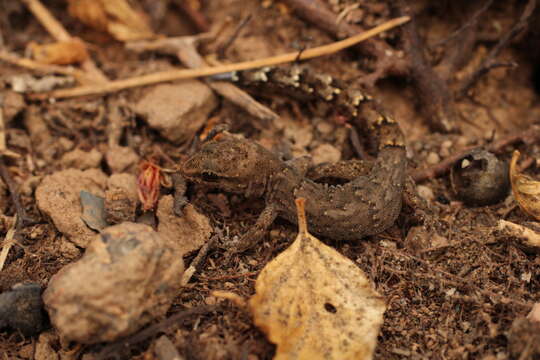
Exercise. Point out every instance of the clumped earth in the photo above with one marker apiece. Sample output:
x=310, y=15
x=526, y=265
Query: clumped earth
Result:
x=463, y=75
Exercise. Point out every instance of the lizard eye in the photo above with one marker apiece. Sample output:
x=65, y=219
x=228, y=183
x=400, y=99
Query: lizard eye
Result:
x=210, y=177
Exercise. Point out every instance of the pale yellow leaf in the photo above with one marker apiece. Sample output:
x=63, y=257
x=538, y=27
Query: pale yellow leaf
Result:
x=117, y=17
x=526, y=191
x=314, y=303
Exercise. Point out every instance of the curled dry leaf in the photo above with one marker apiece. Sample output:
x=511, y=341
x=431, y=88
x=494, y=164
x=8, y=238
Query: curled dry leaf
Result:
x=117, y=17
x=526, y=190
x=314, y=303
x=67, y=52
x=149, y=182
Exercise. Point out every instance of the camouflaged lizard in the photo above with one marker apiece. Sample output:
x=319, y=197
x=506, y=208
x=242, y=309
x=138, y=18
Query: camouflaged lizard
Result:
x=366, y=205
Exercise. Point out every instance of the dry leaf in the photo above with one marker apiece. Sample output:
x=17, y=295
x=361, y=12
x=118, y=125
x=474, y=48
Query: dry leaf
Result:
x=148, y=184
x=68, y=52
x=116, y=17
x=526, y=190
x=314, y=303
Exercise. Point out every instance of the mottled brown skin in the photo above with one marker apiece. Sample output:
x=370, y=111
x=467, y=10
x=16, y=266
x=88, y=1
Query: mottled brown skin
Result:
x=366, y=205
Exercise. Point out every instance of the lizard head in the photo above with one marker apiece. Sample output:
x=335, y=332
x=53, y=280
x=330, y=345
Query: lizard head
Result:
x=227, y=162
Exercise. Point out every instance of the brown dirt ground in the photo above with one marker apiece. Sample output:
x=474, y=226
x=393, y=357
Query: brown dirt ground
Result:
x=464, y=299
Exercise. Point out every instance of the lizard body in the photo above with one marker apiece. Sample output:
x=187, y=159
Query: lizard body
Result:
x=366, y=205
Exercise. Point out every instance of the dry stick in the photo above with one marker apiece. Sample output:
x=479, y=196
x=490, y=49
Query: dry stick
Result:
x=153, y=330
x=195, y=16
x=528, y=136
x=180, y=74
x=184, y=48
x=490, y=60
x=57, y=31
x=223, y=48
x=81, y=76
x=22, y=218
x=7, y=243
x=387, y=61
x=440, y=108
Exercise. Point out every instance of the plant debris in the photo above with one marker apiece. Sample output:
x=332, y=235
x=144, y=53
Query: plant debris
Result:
x=314, y=303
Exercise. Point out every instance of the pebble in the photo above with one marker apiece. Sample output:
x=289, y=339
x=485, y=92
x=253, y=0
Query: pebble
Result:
x=433, y=158
x=58, y=196
x=177, y=110
x=425, y=193
x=325, y=153
x=127, y=277
x=21, y=309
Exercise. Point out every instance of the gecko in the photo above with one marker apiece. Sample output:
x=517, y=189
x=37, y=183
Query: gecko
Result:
x=366, y=205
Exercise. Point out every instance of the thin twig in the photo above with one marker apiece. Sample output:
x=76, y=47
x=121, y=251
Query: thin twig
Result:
x=152, y=330
x=221, y=50
x=488, y=63
x=198, y=19
x=180, y=74
x=185, y=48
x=7, y=243
x=22, y=218
x=56, y=30
x=79, y=75
x=196, y=263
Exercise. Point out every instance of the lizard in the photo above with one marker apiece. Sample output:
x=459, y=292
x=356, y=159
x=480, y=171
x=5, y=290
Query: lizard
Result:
x=366, y=205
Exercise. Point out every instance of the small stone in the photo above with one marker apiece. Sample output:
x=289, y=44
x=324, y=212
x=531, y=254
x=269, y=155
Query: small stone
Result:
x=433, y=158
x=127, y=277
x=12, y=103
x=325, y=153
x=177, y=110
x=58, y=196
x=21, y=309
x=82, y=160
x=186, y=233
x=425, y=192
x=121, y=159
x=324, y=127
x=121, y=198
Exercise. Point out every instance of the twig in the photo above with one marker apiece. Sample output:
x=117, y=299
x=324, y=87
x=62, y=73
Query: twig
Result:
x=439, y=109
x=470, y=23
x=188, y=274
x=55, y=28
x=185, y=49
x=490, y=60
x=180, y=74
x=387, y=60
x=7, y=243
x=3, y=147
x=221, y=50
x=79, y=75
x=527, y=136
x=22, y=218
x=152, y=330
x=195, y=16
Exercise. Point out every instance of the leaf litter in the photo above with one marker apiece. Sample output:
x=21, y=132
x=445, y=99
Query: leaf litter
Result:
x=315, y=303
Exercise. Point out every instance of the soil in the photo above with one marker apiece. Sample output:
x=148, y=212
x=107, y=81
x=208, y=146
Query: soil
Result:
x=455, y=286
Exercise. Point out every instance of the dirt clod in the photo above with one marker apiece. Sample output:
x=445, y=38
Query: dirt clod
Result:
x=21, y=309
x=127, y=277
x=177, y=111
x=82, y=160
x=186, y=233
x=58, y=196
